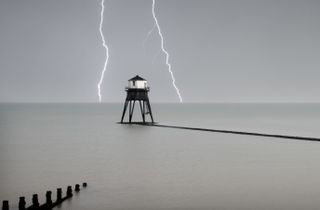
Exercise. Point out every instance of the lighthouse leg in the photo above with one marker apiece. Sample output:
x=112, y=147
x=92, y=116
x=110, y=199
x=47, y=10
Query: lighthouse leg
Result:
x=131, y=112
x=142, y=111
x=124, y=110
x=149, y=108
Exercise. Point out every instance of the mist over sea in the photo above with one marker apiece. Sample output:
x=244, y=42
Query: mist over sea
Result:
x=46, y=146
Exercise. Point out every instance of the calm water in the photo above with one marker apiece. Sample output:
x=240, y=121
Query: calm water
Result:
x=45, y=146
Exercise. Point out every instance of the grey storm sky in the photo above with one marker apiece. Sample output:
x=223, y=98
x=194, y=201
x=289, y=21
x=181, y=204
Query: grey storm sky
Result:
x=221, y=50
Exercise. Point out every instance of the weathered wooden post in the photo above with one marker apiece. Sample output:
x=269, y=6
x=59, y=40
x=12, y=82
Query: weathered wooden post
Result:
x=35, y=201
x=48, y=198
x=5, y=205
x=77, y=188
x=69, y=192
x=22, y=203
x=59, y=195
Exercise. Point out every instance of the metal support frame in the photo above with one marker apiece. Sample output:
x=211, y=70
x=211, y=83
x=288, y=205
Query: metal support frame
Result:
x=145, y=109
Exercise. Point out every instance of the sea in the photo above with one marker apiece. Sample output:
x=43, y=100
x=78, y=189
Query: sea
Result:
x=46, y=146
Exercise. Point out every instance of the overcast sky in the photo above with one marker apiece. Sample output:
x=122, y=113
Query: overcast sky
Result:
x=221, y=50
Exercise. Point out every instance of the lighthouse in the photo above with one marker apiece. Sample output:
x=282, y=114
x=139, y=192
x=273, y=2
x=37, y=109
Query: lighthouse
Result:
x=137, y=91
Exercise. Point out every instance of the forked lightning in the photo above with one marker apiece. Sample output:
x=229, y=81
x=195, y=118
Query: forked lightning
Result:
x=107, y=51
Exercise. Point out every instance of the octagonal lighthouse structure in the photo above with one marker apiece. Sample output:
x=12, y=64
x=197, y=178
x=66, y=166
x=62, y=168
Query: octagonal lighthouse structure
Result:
x=137, y=90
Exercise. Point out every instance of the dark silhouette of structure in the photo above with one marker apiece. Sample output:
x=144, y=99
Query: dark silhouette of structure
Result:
x=305, y=138
x=137, y=90
x=49, y=204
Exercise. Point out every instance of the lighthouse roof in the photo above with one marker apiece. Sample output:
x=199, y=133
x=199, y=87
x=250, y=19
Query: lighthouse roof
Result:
x=136, y=78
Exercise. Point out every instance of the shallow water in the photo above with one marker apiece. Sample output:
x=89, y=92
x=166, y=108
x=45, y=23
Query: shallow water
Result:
x=45, y=146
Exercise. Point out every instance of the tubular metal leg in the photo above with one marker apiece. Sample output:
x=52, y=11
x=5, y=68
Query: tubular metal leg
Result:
x=130, y=117
x=124, y=110
x=149, y=107
x=142, y=112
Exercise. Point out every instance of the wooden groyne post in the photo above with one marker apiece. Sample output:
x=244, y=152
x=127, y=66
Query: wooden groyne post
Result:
x=5, y=205
x=22, y=203
x=48, y=205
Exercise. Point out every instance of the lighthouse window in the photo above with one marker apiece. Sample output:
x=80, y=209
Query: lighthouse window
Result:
x=134, y=83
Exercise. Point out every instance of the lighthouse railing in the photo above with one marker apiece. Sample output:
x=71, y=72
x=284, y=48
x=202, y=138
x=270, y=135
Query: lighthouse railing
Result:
x=135, y=88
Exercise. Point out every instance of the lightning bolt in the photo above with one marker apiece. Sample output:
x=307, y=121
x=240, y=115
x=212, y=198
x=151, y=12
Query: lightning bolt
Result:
x=148, y=35
x=165, y=51
x=106, y=49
